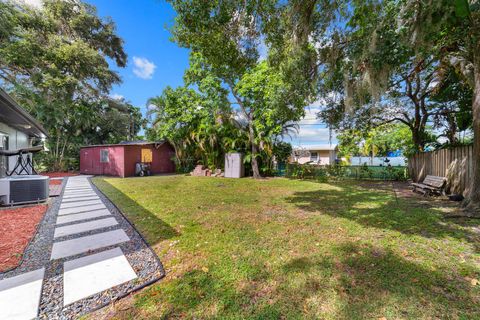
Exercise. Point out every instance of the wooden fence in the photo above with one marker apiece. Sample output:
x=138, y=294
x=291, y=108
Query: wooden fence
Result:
x=455, y=164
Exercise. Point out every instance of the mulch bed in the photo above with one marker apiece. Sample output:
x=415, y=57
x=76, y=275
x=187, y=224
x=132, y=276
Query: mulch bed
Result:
x=59, y=174
x=17, y=227
x=55, y=182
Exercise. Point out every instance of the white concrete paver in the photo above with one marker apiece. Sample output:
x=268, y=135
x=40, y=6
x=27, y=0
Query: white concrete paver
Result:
x=81, y=209
x=75, y=246
x=88, y=275
x=83, y=198
x=74, y=192
x=79, y=203
x=84, y=226
x=77, y=195
x=82, y=195
x=84, y=276
x=83, y=216
x=20, y=295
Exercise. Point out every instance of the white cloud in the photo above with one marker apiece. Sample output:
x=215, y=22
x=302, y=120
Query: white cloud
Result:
x=116, y=96
x=143, y=68
x=33, y=3
x=309, y=136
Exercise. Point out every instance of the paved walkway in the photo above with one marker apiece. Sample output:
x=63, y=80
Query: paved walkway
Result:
x=87, y=258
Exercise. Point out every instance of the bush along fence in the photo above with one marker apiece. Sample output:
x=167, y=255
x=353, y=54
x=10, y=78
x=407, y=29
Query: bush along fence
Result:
x=363, y=172
x=456, y=164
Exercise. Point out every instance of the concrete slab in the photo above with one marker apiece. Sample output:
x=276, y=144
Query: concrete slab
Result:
x=83, y=216
x=80, y=198
x=77, y=190
x=72, y=247
x=84, y=226
x=88, y=275
x=20, y=295
x=70, y=187
x=77, y=187
x=76, y=204
x=70, y=193
x=81, y=209
x=81, y=194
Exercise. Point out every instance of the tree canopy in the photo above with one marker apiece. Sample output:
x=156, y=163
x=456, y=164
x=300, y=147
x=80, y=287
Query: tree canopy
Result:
x=55, y=61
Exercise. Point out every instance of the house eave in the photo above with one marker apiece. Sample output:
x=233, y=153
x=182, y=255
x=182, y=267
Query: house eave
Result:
x=16, y=117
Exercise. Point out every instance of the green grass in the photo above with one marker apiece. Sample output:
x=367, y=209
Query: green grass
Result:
x=281, y=248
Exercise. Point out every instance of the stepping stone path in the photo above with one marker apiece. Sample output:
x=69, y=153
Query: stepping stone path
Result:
x=94, y=256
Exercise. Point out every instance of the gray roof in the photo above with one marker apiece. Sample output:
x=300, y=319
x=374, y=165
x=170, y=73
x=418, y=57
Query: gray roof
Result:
x=128, y=143
x=16, y=117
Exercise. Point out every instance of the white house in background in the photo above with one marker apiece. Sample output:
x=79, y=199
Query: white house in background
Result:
x=18, y=129
x=322, y=154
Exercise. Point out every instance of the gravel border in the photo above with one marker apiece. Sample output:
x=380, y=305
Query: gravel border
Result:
x=37, y=252
x=139, y=254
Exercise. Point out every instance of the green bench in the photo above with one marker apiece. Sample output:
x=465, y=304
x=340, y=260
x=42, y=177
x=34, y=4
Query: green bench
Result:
x=431, y=185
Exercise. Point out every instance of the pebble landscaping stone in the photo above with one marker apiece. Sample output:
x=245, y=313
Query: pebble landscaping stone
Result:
x=135, y=267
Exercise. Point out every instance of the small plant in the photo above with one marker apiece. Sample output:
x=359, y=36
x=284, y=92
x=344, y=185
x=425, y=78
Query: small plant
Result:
x=365, y=172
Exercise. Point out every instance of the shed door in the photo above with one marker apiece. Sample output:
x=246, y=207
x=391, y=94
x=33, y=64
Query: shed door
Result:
x=147, y=155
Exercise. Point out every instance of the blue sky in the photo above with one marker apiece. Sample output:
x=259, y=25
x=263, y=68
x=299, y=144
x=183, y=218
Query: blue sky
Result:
x=155, y=62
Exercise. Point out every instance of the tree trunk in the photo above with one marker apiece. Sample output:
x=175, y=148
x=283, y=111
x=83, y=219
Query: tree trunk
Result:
x=256, y=172
x=417, y=140
x=473, y=200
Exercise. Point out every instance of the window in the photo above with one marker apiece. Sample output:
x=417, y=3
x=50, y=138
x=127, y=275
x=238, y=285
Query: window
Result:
x=313, y=156
x=104, y=155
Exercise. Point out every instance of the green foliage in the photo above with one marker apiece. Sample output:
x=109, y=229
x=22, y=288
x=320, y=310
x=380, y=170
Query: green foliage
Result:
x=225, y=39
x=297, y=250
x=379, y=141
x=54, y=60
x=340, y=172
x=282, y=151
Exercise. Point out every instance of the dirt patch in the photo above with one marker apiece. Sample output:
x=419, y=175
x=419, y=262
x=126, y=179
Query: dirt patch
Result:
x=403, y=190
x=17, y=228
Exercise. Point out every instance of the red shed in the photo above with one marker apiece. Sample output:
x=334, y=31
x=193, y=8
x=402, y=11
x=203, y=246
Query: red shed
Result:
x=120, y=159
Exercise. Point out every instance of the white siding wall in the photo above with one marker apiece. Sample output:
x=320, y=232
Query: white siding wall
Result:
x=16, y=140
x=376, y=161
x=325, y=157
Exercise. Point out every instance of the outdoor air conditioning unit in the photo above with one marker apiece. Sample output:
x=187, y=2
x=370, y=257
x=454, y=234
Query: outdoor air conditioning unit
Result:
x=23, y=189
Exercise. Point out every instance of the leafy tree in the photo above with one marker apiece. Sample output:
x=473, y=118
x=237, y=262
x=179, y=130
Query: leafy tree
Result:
x=378, y=141
x=452, y=28
x=282, y=151
x=225, y=38
x=450, y=32
x=378, y=42
x=175, y=116
x=453, y=99
x=54, y=60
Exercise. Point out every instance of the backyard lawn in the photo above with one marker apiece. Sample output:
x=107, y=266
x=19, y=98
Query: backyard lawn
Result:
x=279, y=248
